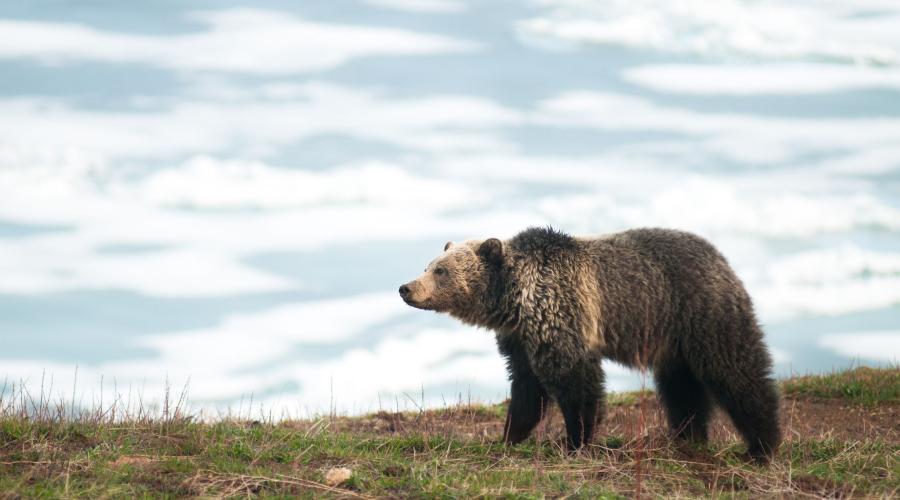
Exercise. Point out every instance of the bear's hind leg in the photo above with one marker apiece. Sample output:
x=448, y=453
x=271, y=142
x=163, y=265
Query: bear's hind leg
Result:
x=753, y=408
x=739, y=379
x=685, y=399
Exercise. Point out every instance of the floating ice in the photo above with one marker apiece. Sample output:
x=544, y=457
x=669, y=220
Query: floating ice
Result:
x=769, y=29
x=762, y=78
x=239, y=40
x=871, y=346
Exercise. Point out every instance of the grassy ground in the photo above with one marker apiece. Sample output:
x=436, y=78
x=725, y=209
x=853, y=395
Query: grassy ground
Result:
x=841, y=440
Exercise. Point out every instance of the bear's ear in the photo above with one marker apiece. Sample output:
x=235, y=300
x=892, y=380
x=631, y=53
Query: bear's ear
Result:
x=447, y=245
x=491, y=250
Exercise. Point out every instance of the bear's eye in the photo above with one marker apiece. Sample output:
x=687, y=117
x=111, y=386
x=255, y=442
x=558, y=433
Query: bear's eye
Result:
x=440, y=271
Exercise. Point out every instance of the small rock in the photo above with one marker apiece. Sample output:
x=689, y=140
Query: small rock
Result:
x=337, y=475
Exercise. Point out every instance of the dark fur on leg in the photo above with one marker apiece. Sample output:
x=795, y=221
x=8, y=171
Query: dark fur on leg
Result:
x=528, y=399
x=741, y=383
x=582, y=401
x=754, y=412
x=685, y=400
x=580, y=416
x=527, y=406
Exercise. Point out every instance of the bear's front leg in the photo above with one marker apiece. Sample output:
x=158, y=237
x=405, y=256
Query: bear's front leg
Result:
x=528, y=399
x=581, y=398
x=527, y=406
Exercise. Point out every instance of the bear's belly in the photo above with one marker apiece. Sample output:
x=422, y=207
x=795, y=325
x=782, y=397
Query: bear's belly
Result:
x=634, y=348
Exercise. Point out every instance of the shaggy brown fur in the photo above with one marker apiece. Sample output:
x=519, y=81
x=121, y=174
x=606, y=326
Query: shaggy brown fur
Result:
x=647, y=298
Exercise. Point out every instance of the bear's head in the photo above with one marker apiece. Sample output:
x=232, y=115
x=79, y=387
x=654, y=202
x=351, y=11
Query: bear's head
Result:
x=457, y=280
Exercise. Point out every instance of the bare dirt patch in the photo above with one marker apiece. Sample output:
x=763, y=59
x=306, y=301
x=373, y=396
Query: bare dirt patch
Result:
x=808, y=417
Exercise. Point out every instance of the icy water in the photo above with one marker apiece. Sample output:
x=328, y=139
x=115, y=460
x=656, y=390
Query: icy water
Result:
x=226, y=194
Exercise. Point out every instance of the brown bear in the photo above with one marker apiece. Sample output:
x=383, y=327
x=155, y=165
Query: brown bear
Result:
x=655, y=299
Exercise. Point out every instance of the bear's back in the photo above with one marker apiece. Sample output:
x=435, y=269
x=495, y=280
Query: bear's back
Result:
x=653, y=281
x=691, y=264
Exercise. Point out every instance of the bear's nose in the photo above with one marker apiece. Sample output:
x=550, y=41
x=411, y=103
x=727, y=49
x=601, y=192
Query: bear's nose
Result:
x=404, y=291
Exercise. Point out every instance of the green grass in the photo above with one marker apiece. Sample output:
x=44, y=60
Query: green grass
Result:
x=446, y=453
x=863, y=385
x=627, y=398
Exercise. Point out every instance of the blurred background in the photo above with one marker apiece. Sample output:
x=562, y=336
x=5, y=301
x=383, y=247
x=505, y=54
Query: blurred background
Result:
x=225, y=195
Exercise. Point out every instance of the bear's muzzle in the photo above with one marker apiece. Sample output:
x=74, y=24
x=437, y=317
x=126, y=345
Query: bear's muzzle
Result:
x=408, y=293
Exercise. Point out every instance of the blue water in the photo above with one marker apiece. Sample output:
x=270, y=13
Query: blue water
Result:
x=225, y=195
